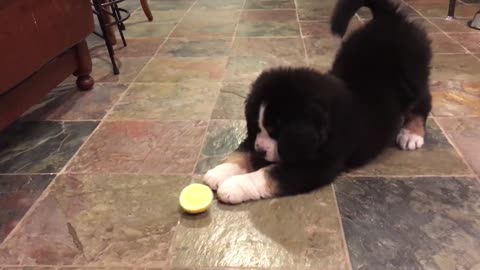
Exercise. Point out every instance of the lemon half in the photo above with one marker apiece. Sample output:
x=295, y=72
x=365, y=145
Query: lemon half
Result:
x=196, y=198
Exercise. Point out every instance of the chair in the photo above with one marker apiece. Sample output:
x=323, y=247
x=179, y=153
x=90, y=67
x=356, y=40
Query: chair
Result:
x=146, y=9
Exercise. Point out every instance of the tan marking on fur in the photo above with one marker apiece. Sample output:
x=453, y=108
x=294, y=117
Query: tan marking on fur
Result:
x=415, y=124
x=242, y=159
x=272, y=184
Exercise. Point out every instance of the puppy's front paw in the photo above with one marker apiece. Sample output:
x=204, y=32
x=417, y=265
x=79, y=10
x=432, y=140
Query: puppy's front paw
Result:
x=408, y=140
x=231, y=191
x=216, y=176
x=241, y=188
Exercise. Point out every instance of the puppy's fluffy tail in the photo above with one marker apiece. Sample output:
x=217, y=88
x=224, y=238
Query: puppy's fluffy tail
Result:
x=346, y=9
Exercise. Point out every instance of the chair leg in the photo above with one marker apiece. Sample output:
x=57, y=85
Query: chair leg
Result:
x=451, y=8
x=146, y=9
x=84, y=80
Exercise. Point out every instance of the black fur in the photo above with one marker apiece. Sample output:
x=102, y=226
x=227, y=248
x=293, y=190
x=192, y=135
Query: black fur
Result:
x=329, y=123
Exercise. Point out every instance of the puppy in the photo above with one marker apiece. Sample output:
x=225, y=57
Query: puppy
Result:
x=304, y=128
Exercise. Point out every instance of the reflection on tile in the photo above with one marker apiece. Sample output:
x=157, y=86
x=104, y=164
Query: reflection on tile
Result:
x=167, y=102
x=67, y=103
x=147, y=30
x=223, y=137
x=129, y=68
x=17, y=194
x=268, y=23
x=270, y=4
x=441, y=43
x=145, y=47
x=166, y=17
x=429, y=160
x=208, y=24
x=455, y=103
x=183, y=70
x=471, y=41
x=195, y=48
x=465, y=134
x=230, y=103
x=422, y=223
x=41, y=147
x=252, y=55
x=121, y=220
x=293, y=232
x=457, y=25
x=170, y=5
x=218, y=4
x=459, y=67
x=142, y=147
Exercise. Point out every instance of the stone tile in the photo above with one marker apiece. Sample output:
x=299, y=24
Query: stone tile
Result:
x=422, y=223
x=166, y=17
x=17, y=194
x=183, y=70
x=170, y=5
x=145, y=47
x=223, y=137
x=429, y=160
x=315, y=10
x=175, y=47
x=270, y=4
x=167, y=102
x=471, y=41
x=100, y=220
x=431, y=9
x=459, y=67
x=129, y=68
x=465, y=134
x=252, y=55
x=230, y=103
x=441, y=43
x=67, y=103
x=456, y=103
x=290, y=233
x=321, y=29
x=147, y=30
x=268, y=23
x=366, y=14
x=41, y=147
x=321, y=51
x=218, y=4
x=456, y=25
x=142, y=147
x=208, y=24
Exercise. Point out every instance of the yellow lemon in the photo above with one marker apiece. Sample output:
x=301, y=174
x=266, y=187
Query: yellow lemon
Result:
x=196, y=198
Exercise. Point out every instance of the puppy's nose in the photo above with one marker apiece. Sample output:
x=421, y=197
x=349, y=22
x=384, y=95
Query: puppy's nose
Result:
x=257, y=146
x=262, y=153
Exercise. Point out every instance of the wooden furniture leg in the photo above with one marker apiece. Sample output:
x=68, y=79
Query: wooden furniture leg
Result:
x=146, y=9
x=84, y=80
x=451, y=8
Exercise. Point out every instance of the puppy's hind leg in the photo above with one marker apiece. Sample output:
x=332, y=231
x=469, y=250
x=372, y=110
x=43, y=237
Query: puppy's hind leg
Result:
x=412, y=134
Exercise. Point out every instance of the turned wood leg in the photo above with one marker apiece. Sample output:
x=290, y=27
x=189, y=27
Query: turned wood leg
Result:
x=146, y=9
x=84, y=80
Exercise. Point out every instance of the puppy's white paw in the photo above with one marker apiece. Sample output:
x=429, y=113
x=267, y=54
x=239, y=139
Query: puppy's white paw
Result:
x=241, y=188
x=216, y=176
x=408, y=140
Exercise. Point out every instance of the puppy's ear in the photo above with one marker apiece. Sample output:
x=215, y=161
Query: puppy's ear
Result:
x=299, y=142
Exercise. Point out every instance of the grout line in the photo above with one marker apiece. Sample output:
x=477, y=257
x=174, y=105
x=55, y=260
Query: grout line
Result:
x=450, y=140
x=234, y=36
x=342, y=231
x=305, y=55
x=441, y=30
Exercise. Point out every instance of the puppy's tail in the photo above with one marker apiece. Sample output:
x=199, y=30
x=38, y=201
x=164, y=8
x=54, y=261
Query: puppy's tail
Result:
x=346, y=9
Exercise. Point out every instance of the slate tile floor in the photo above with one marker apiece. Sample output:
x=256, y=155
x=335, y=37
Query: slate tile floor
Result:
x=91, y=179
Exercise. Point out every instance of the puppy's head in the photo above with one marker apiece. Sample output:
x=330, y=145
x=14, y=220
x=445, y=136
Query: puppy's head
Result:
x=287, y=115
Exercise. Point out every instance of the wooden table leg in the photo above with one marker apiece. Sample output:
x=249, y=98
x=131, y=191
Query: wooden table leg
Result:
x=84, y=61
x=108, y=19
x=146, y=9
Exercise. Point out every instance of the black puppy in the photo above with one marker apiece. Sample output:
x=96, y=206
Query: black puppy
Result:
x=305, y=128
